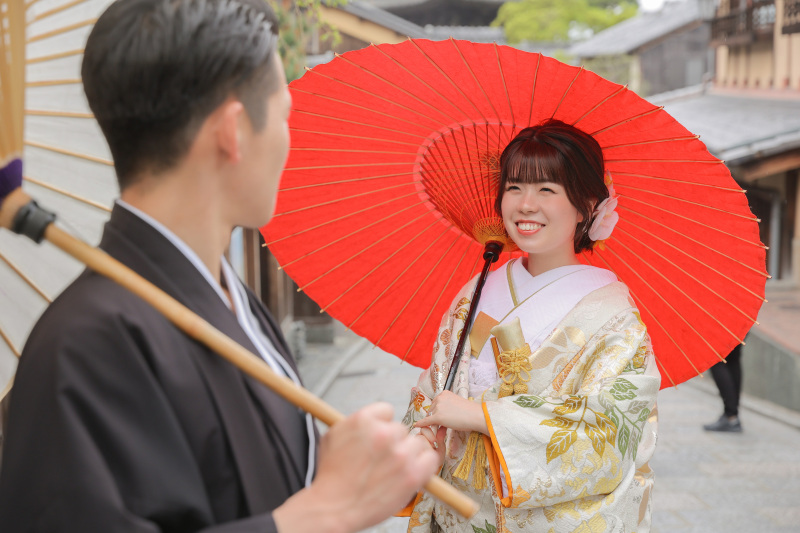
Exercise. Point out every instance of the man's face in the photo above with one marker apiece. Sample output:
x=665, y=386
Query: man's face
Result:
x=263, y=155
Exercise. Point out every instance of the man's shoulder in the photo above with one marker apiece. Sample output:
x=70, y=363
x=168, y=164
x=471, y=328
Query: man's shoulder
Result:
x=90, y=304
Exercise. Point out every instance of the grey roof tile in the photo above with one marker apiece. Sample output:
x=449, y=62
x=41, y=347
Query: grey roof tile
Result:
x=737, y=126
x=645, y=27
x=369, y=12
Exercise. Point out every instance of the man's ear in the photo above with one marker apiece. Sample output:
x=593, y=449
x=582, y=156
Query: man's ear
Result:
x=229, y=129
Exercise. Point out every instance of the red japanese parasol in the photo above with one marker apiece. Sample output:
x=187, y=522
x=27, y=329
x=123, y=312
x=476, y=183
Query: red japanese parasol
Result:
x=387, y=198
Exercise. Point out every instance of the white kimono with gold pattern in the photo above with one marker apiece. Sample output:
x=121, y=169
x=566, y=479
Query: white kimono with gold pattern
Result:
x=570, y=455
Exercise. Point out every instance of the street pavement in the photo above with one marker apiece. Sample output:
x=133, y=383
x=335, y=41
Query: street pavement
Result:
x=705, y=482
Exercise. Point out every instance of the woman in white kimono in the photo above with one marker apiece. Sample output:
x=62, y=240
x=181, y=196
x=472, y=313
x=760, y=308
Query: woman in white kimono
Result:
x=552, y=418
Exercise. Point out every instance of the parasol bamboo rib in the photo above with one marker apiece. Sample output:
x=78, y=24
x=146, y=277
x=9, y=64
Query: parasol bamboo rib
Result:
x=566, y=92
x=533, y=86
x=505, y=89
x=375, y=94
x=684, y=200
x=626, y=120
x=202, y=331
x=678, y=314
x=474, y=77
x=63, y=151
x=441, y=293
x=320, y=115
x=383, y=262
x=53, y=83
x=433, y=183
x=482, y=182
x=682, y=182
x=433, y=186
x=342, y=218
x=701, y=161
x=14, y=351
x=464, y=164
x=63, y=29
x=352, y=233
x=701, y=244
x=351, y=197
x=32, y=284
x=66, y=114
x=358, y=281
x=603, y=101
x=628, y=222
x=50, y=57
x=328, y=167
x=419, y=287
x=361, y=251
x=644, y=307
x=68, y=194
x=758, y=245
x=396, y=279
x=709, y=289
x=356, y=106
x=449, y=79
x=436, y=154
x=653, y=141
x=410, y=73
x=706, y=311
x=350, y=151
x=339, y=182
x=64, y=7
x=650, y=313
x=359, y=137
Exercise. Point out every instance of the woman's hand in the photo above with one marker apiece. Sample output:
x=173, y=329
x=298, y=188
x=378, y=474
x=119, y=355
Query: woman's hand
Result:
x=454, y=412
x=435, y=438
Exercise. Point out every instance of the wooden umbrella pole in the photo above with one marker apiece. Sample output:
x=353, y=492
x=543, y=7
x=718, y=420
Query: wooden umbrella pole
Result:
x=199, y=329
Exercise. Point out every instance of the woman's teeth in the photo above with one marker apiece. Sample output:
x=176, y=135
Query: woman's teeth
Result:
x=528, y=226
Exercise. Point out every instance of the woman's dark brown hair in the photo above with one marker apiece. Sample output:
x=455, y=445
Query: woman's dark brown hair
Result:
x=558, y=153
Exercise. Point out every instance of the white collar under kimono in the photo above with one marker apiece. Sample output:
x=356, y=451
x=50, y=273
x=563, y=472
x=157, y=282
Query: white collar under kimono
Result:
x=541, y=302
x=240, y=306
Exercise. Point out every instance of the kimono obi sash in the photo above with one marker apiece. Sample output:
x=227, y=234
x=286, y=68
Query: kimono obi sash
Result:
x=540, y=302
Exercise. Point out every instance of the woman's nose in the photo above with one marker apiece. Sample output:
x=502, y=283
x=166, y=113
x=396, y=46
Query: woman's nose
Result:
x=529, y=202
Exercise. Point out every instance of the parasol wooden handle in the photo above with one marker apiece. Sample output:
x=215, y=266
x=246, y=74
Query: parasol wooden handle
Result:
x=201, y=330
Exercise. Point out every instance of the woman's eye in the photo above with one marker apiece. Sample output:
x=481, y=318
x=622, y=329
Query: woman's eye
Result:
x=512, y=187
x=546, y=189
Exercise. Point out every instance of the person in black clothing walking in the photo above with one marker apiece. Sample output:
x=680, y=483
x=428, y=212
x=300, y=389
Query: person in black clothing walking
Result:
x=728, y=377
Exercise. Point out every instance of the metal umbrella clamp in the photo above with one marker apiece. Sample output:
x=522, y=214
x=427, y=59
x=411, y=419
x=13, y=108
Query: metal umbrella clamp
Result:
x=388, y=196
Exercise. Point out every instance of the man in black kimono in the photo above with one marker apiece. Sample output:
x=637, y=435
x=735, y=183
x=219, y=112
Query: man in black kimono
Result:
x=118, y=421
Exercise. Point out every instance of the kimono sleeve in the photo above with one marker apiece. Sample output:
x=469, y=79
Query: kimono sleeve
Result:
x=583, y=435
x=431, y=380
x=93, y=444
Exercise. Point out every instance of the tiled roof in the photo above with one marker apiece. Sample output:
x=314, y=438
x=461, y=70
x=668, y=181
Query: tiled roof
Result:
x=736, y=126
x=367, y=11
x=643, y=28
x=389, y=4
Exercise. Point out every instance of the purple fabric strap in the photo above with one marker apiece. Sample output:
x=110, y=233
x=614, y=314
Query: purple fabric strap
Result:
x=10, y=178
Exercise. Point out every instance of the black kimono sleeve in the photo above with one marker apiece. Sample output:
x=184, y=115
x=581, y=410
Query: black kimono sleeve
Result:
x=94, y=444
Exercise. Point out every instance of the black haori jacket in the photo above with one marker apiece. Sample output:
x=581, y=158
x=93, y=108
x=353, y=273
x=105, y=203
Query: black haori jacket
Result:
x=120, y=422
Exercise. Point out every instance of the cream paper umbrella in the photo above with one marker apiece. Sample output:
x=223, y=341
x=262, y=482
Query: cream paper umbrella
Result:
x=67, y=165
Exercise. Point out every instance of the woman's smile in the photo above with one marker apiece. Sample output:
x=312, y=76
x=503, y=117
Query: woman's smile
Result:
x=540, y=219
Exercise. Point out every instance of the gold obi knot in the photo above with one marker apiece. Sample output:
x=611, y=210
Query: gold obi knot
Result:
x=514, y=367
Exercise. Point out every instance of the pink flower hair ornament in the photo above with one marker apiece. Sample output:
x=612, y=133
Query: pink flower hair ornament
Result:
x=605, y=216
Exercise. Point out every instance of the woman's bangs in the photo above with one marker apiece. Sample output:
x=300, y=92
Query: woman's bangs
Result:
x=534, y=163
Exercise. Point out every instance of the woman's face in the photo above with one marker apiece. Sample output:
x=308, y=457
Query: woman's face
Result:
x=541, y=220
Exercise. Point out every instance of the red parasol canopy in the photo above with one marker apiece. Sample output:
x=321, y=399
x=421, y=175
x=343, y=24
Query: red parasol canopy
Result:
x=392, y=177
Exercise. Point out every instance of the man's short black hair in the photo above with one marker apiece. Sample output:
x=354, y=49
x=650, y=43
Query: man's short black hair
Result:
x=154, y=70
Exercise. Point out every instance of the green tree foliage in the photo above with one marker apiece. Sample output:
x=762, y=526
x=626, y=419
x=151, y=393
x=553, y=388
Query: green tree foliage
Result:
x=560, y=20
x=299, y=20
